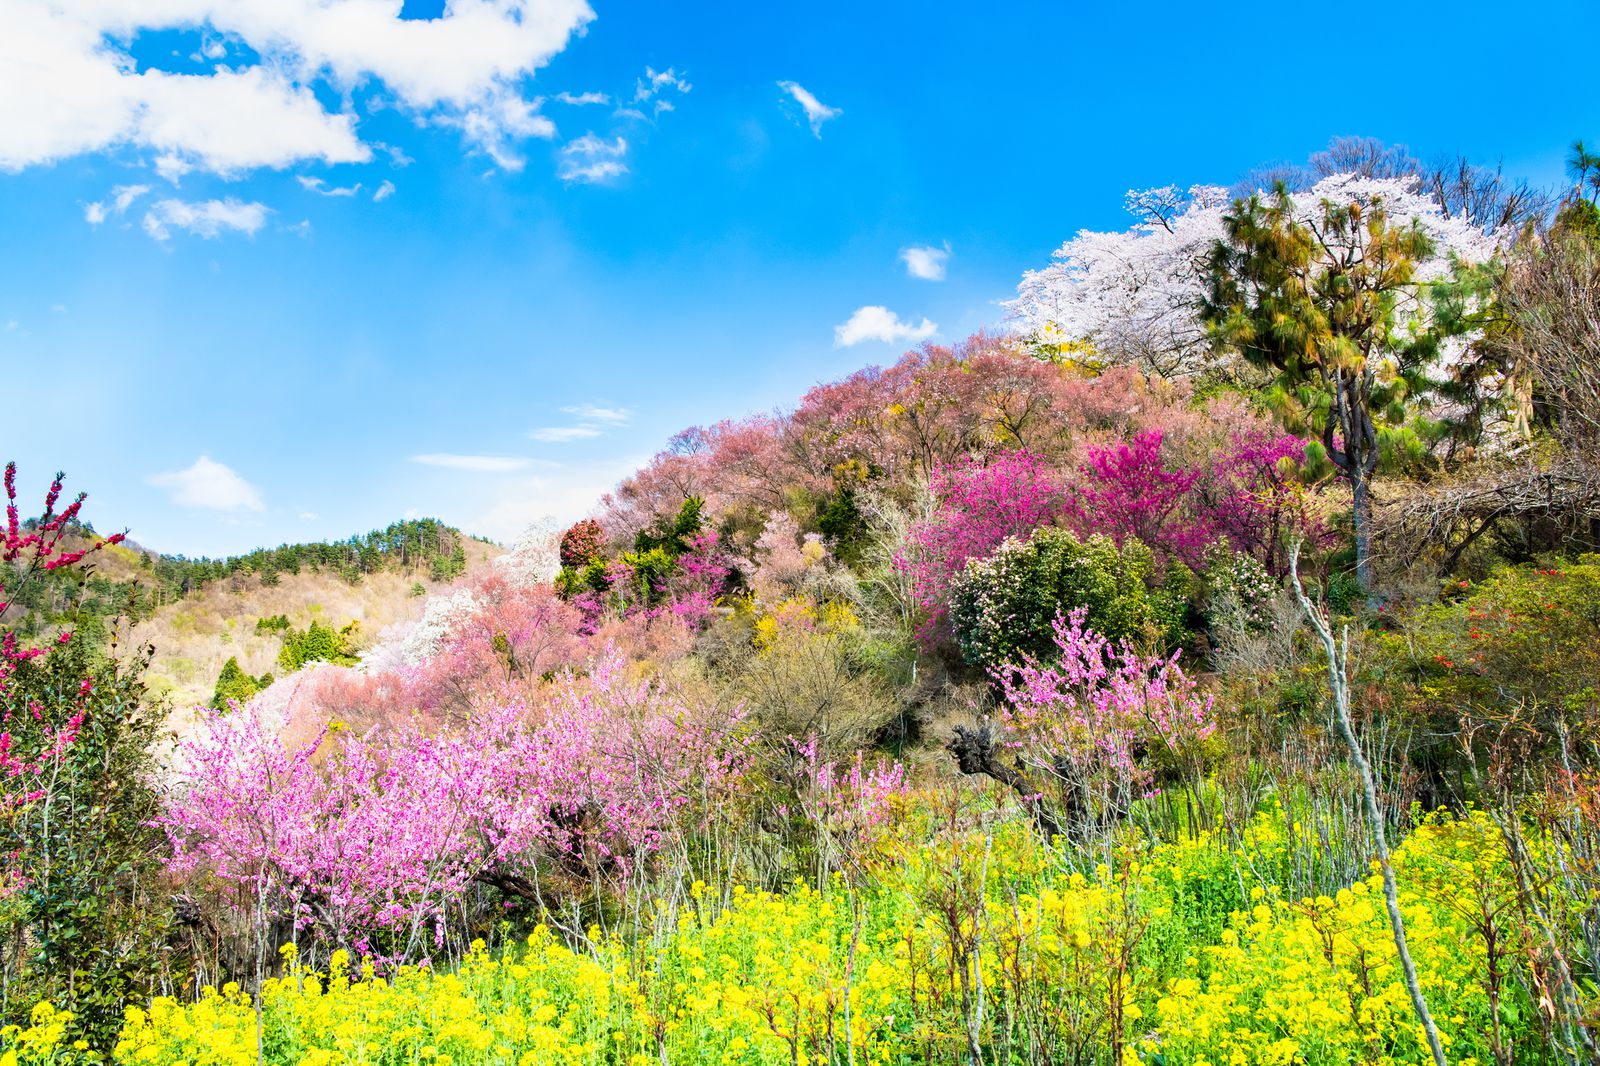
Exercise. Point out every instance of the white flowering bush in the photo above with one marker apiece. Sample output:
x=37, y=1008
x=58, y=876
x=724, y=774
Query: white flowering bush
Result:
x=1004, y=606
x=1238, y=591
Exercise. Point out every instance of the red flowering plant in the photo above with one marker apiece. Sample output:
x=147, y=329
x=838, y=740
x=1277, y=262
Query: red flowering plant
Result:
x=34, y=737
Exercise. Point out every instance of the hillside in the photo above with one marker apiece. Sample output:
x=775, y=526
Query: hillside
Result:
x=1089, y=693
x=199, y=613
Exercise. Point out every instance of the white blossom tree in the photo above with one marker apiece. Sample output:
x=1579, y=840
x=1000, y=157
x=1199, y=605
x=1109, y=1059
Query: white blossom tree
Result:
x=1135, y=295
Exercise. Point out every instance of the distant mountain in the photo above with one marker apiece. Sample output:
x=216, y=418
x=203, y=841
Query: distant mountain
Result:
x=199, y=613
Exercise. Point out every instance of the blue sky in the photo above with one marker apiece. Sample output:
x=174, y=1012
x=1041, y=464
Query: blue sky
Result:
x=256, y=345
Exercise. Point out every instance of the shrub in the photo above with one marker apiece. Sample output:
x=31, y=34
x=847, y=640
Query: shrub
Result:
x=1004, y=607
x=234, y=686
x=318, y=644
x=582, y=544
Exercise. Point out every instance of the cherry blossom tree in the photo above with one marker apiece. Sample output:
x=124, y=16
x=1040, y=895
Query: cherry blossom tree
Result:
x=1136, y=294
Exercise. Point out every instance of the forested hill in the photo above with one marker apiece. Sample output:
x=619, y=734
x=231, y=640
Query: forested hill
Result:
x=133, y=583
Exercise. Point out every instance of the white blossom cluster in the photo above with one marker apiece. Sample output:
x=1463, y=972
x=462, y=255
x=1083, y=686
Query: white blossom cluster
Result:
x=535, y=557
x=1135, y=294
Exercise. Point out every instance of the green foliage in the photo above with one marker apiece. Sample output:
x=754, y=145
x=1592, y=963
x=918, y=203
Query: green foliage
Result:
x=1004, y=607
x=842, y=523
x=234, y=686
x=88, y=925
x=319, y=643
x=672, y=534
x=1521, y=646
x=652, y=561
x=1334, y=312
x=278, y=623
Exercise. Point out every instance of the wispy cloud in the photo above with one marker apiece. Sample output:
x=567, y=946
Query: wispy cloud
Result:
x=564, y=434
x=583, y=99
x=593, y=419
x=875, y=323
x=204, y=218
x=589, y=159
x=651, y=92
x=613, y=416
x=211, y=485
x=383, y=192
x=322, y=188
x=121, y=198
x=816, y=111
x=480, y=464
x=926, y=261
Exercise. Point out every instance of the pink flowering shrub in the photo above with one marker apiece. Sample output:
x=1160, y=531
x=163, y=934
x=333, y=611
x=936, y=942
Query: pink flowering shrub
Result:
x=1109, y=725
x=852, y=803
x=367, y=840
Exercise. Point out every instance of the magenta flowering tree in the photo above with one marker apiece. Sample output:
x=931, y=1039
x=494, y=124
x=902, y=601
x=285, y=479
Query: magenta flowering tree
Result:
x=1256, y=499
x=1128, y=490
x=1107, y=724
x=980, y=504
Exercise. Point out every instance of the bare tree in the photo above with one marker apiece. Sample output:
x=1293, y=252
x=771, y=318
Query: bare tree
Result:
x=1338, y=653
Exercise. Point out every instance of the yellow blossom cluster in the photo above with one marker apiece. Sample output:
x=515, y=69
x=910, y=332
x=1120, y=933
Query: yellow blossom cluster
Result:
x=980, y=938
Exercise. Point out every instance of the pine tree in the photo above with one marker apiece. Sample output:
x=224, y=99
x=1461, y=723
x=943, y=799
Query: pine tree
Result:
x=1332, y=306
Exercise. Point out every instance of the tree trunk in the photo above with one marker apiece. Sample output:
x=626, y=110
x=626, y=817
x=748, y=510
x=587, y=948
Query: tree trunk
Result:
x=1360, y=519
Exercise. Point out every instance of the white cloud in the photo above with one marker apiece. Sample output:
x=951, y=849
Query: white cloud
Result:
x=500, y=120
x=68, y=84
x=652, y=89
x=211, y=485
x=172, y=167
x=560, y=495
x=480, y=464
x=564, y=434
x=204, y=218
x=583, y=99
x=590, y=159
x=301, y=229
x=816, y=111
x=655, y=82
x=925, y=261
x=322, y=188
x=879, y=324
x=615, y=416
x=122, y=198
x=383, y=192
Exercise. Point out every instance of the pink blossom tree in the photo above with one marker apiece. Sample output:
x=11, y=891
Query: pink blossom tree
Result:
x=980, y=505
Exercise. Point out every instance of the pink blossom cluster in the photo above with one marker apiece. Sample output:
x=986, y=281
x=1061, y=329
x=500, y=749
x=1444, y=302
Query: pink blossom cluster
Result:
x=980, y=504
x=853, y=803
x=1097, y=707
x=368, y=837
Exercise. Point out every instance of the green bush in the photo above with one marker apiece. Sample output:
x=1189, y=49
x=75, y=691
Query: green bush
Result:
x=236, y=686
x=319, y=643
x=1003, y=606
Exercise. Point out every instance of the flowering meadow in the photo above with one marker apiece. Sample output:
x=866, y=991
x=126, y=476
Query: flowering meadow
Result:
x=1206, y=671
